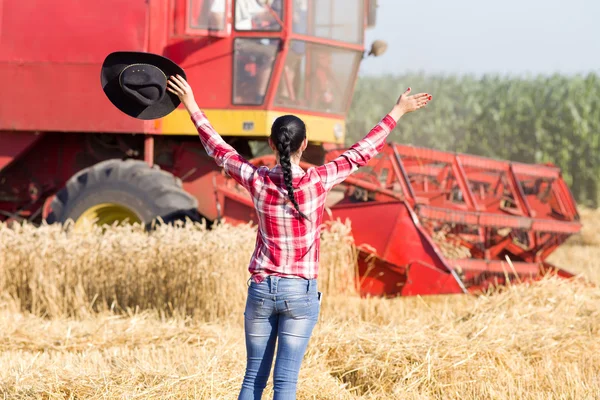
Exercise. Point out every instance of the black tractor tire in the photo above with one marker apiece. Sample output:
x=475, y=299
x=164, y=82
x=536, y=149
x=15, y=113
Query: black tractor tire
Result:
x=147, y=191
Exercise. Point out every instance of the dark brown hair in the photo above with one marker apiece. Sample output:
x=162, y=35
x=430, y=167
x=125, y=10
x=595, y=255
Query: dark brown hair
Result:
x=287, y=133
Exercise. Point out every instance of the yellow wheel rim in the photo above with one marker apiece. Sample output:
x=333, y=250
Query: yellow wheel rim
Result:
x=107, y=214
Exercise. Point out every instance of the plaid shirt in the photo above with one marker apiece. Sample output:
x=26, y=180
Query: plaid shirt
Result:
x=288, y=246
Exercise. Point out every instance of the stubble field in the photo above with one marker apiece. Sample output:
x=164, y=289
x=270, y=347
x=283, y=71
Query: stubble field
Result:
x=161, y=317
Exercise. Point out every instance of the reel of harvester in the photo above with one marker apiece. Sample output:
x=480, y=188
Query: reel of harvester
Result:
x=431, y=222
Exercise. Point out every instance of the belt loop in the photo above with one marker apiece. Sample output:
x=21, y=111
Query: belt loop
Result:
x=308, y=287
x=273, y=280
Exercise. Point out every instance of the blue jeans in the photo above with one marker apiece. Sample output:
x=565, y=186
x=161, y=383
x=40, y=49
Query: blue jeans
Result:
x=281, y=309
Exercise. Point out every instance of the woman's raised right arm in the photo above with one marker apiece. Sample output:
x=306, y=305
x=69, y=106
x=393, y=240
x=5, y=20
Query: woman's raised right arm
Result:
x=336, y=171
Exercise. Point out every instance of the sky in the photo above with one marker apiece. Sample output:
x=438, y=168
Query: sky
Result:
x=509, y=37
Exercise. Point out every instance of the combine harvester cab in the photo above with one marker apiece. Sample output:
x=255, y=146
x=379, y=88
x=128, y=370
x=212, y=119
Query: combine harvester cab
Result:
x=430, y=222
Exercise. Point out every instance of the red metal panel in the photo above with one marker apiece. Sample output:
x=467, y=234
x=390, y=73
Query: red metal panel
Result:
x=399, y=244
x=201, y=177
x=556, y=226
x=424, y=169
x=47, y=101
x=208, y=65
x=473, y=265
x=70, y=31
x=538, y=171
x=12, y=145
x=363, y=217
x=41, y=168
x=424, y=279
x=484, y=163
x=424, y=153
x=501, y=221
x=378, y=277
x=159, y=22
x=54, y=49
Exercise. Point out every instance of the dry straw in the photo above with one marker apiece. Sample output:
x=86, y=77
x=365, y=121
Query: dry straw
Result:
x=537, y=341
x=188, y=269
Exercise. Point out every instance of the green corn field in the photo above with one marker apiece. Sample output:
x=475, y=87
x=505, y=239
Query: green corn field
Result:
x=533, y=119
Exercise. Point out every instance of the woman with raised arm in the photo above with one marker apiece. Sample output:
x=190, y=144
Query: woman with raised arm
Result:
x=283, y=302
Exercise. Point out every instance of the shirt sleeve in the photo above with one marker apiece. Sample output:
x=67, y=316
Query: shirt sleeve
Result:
x=225, y=156
x=334, y=172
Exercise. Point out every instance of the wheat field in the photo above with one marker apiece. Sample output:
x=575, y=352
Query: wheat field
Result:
x=126, y=315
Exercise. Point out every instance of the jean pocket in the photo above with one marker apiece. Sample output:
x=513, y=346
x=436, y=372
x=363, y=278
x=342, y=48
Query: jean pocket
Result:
x=300, y=308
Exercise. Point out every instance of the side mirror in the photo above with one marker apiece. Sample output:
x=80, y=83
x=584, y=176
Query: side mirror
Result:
x=378, y=48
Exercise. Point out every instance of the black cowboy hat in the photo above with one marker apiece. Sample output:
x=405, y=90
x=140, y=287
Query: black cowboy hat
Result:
x=136, y=83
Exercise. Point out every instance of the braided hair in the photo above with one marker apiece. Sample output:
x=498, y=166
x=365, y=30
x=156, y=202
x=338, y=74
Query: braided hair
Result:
x=287, y=133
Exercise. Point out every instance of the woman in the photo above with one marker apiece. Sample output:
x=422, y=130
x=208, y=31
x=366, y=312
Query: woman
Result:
x=283, y=302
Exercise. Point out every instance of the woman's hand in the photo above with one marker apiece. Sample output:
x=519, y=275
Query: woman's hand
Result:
x=407, y=103
x=178, y=86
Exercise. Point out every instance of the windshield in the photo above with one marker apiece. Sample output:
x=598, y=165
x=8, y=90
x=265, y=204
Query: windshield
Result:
x=253, y=63
x=330, y=19
x=317, y=77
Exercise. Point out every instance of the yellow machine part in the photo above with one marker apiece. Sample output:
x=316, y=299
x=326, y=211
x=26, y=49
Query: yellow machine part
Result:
x=107, y=214
x=252, y=123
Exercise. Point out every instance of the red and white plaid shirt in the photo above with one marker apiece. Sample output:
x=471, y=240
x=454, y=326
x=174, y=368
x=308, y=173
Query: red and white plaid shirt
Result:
x=288, y=246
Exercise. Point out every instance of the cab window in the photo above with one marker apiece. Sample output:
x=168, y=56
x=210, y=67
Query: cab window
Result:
x=317, y=77
x=330, y=19
x=207, y=14
x=253, y=64
x=258, y=15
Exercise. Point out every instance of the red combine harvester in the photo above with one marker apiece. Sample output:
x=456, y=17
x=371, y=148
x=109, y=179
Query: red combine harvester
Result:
x=426, y=222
